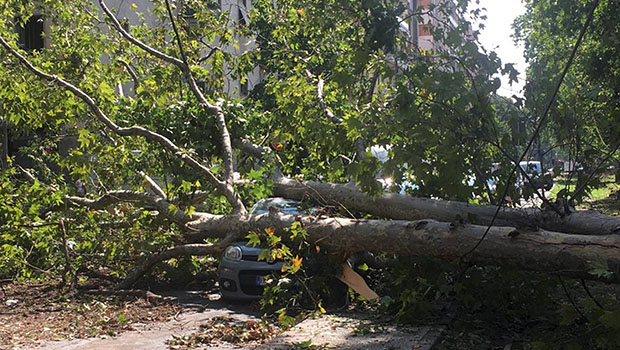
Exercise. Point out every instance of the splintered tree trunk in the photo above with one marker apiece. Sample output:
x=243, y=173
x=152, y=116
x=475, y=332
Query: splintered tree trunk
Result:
x=545, y=251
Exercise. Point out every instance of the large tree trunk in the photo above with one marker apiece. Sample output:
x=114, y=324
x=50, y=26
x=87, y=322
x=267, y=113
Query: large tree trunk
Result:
x=545, y=251
x=526, y=247
x=405, y=207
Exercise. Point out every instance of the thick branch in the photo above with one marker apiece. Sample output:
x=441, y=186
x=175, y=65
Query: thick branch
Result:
x=153, y=185
x=219, y=116
x=113, y=197
x=319, y=94
x=117, y=25
x=405, y=207
x=225, y=186
x=184, y=250
x=250, y=148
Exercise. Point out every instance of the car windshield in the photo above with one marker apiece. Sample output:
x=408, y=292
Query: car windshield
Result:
x=286, y=206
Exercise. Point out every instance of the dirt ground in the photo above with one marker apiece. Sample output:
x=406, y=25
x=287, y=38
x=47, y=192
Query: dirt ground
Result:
x=32, y=313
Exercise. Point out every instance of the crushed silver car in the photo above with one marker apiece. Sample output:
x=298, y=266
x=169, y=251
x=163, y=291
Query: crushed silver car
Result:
x=241, y=276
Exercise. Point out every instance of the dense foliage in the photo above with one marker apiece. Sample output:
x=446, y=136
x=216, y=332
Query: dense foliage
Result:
x=584, y=122
x=435, y=113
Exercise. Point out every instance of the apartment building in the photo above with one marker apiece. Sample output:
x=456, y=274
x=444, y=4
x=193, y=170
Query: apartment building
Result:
x=420, y=30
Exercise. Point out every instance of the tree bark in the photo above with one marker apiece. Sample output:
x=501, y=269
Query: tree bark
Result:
x=405, y=207
x=545, y=251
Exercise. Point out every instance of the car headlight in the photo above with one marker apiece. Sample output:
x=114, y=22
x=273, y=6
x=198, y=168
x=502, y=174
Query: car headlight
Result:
x=233, y=253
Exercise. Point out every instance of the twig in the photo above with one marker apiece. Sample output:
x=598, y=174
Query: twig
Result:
x=68, y=266
x=148, y=295
x=585, y=287
x=117, y=25
x=530, y=181
x=153, y=185
x=131, y=72
x=570, y=299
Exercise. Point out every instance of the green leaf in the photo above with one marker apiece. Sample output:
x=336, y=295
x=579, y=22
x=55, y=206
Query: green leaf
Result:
x=172, y=208
x=84, y=137
x=121, y=318
x=568, y=315
x=253, y=239
x=599, y=268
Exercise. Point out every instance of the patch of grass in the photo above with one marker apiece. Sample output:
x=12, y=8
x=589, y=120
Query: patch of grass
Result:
x=597, y=194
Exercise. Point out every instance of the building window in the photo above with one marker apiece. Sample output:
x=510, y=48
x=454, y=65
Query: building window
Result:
x=424, y=3
x=424, y=29
x=241, y=17
x=243, y=88
x=30, y=35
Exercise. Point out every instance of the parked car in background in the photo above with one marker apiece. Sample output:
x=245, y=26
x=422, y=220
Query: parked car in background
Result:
x=241, y=276
x=540, y=178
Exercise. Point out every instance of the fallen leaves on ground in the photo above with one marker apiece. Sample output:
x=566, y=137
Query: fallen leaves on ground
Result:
x=32, y=313
x=228, y=330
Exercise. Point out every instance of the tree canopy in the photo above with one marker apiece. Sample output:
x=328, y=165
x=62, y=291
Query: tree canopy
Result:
x=584, y=121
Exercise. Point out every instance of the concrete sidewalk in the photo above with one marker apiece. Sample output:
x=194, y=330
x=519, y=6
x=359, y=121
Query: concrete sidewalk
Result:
x=332, y=331
x=354, y=332
x=341, y=331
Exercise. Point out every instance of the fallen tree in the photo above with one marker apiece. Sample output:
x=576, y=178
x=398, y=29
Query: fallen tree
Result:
x=562, y=242
x=540, y=250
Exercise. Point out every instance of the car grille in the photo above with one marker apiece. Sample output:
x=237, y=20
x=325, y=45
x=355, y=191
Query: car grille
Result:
x=250, y=257
x=248, y=281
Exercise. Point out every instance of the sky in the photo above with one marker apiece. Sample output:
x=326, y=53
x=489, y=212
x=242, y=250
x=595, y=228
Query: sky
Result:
x=497, y=36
